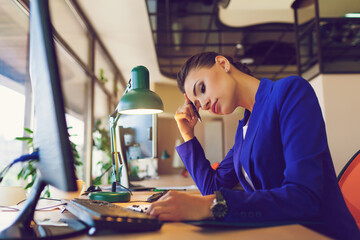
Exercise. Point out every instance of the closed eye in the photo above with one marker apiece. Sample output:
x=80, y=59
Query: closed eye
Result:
x=202, y=88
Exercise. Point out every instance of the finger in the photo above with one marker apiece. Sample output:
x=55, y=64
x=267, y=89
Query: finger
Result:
x=164, y=196
x=157, y=210
x=151, y=208
x=183, y=116
x=187, y=100
x=187, y=110
x=190, y=111
x=167, y=213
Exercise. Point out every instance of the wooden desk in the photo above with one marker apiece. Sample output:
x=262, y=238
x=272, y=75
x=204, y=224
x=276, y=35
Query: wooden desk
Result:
x=182, y=231
x=167, y=181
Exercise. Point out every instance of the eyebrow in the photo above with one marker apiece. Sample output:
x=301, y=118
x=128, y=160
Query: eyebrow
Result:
x=194, y=89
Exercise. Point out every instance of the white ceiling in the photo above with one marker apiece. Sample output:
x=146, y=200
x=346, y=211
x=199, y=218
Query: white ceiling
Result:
x=124, y=28
x=240, y=13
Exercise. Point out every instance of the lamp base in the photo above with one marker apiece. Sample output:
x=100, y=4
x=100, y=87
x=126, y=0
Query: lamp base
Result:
x=110, y=196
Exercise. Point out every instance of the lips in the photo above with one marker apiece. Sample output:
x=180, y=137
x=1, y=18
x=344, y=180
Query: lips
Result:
x=214, y=107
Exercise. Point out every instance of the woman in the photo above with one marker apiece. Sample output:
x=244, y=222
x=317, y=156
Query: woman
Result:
x=280, y=156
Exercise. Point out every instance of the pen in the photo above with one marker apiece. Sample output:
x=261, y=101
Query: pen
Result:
x=196, y=112
x=163, y=190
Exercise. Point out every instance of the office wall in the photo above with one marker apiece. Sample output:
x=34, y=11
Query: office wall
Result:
x=341, y=104
x=333, y=8
x=171, y=96
x=167, y=135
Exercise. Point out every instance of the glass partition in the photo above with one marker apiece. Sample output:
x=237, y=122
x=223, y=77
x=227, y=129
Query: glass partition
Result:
x=14, y=87
x=104, y=70
x=70, y=28
x=74, y=80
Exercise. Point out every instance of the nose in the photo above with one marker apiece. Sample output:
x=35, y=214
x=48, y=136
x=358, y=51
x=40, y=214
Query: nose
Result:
x=205, y=104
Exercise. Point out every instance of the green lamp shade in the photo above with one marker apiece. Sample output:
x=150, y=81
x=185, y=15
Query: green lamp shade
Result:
x=140, y=100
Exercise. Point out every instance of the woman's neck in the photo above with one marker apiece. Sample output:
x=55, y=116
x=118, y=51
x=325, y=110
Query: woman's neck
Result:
x=247, y=87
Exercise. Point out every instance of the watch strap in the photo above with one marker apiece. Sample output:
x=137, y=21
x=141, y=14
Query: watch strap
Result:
x=218, y=196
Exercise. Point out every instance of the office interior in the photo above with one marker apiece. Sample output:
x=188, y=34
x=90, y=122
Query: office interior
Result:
x=99, y=42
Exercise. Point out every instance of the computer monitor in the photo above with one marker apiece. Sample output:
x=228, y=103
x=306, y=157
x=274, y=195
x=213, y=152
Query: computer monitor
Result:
x=138, y=143
x=51, y=139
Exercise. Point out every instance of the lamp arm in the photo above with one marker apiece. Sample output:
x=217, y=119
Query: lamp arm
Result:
x=117, y=161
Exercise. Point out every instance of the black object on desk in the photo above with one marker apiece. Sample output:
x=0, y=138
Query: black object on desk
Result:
x=156, y=196
x=91, y=189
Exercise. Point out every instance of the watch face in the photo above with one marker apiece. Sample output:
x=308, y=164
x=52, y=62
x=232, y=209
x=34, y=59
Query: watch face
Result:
x=219, y=210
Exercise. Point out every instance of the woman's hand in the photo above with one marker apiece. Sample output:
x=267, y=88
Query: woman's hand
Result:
x=186, y=119
x=178, y=206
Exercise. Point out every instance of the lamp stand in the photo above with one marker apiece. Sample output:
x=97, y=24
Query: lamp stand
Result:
x=117, y=163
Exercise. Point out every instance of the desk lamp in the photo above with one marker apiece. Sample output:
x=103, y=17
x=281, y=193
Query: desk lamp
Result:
x=137, y=99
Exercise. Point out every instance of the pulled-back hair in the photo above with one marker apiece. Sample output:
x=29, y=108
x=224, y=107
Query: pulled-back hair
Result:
x=204, y=59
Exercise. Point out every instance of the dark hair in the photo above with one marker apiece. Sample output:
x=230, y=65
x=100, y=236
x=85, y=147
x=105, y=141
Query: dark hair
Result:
x=205, y=59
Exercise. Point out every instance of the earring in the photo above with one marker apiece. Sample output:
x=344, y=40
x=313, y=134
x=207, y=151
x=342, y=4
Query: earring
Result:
x=227, y=68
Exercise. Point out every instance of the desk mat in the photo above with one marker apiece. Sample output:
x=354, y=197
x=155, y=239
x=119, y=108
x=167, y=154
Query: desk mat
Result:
x=246, y=225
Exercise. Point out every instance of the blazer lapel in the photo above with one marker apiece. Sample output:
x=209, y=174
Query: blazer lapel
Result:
x=247, y=144
x=253, y=126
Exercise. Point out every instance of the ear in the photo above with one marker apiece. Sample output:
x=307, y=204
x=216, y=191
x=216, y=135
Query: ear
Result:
x=223, y=63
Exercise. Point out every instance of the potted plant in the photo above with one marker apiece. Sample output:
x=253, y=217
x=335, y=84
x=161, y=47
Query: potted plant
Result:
x=29, y=172
x=101, y=142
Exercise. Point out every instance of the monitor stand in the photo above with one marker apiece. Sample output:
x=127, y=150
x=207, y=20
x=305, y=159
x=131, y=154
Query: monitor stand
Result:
x=24, y=228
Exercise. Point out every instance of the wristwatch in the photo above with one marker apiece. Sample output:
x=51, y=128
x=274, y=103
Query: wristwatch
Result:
x=219, y=208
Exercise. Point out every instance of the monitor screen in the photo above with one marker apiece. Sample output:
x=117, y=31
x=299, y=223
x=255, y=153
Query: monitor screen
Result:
x=138, y=143
x=51, y=139
x=50, y=136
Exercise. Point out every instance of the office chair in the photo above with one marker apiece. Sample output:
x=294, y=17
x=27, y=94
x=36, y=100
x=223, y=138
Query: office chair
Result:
x=349, y=180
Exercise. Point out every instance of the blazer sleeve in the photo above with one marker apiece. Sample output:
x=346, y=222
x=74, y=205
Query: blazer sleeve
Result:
x=305, y=147
x=206, y=178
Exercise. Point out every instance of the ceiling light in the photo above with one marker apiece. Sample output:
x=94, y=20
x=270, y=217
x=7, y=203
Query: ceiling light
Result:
x=239, y=46
x=247, y=61
x=352, y=15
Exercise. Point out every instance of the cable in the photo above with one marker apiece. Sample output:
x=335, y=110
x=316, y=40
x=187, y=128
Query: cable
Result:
x=124, y=188
x=23, y=158
x=27, y=157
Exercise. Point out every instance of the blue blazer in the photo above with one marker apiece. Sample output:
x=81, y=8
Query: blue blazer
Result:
x=286, y=155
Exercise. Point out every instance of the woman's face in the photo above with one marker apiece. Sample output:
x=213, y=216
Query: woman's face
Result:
x=212, y=89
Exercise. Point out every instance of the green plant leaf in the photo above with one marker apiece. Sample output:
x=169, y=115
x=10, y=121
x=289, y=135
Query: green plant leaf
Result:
x=24, y=138
x=46, y=192
x=30, y=184
x=97, y=181
x=106, y=166
x=29, y=130
x=21, y=173
x=30, y=171
x=78, y=163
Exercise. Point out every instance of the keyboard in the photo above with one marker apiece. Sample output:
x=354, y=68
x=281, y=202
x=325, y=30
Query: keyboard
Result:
x=103, y=216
